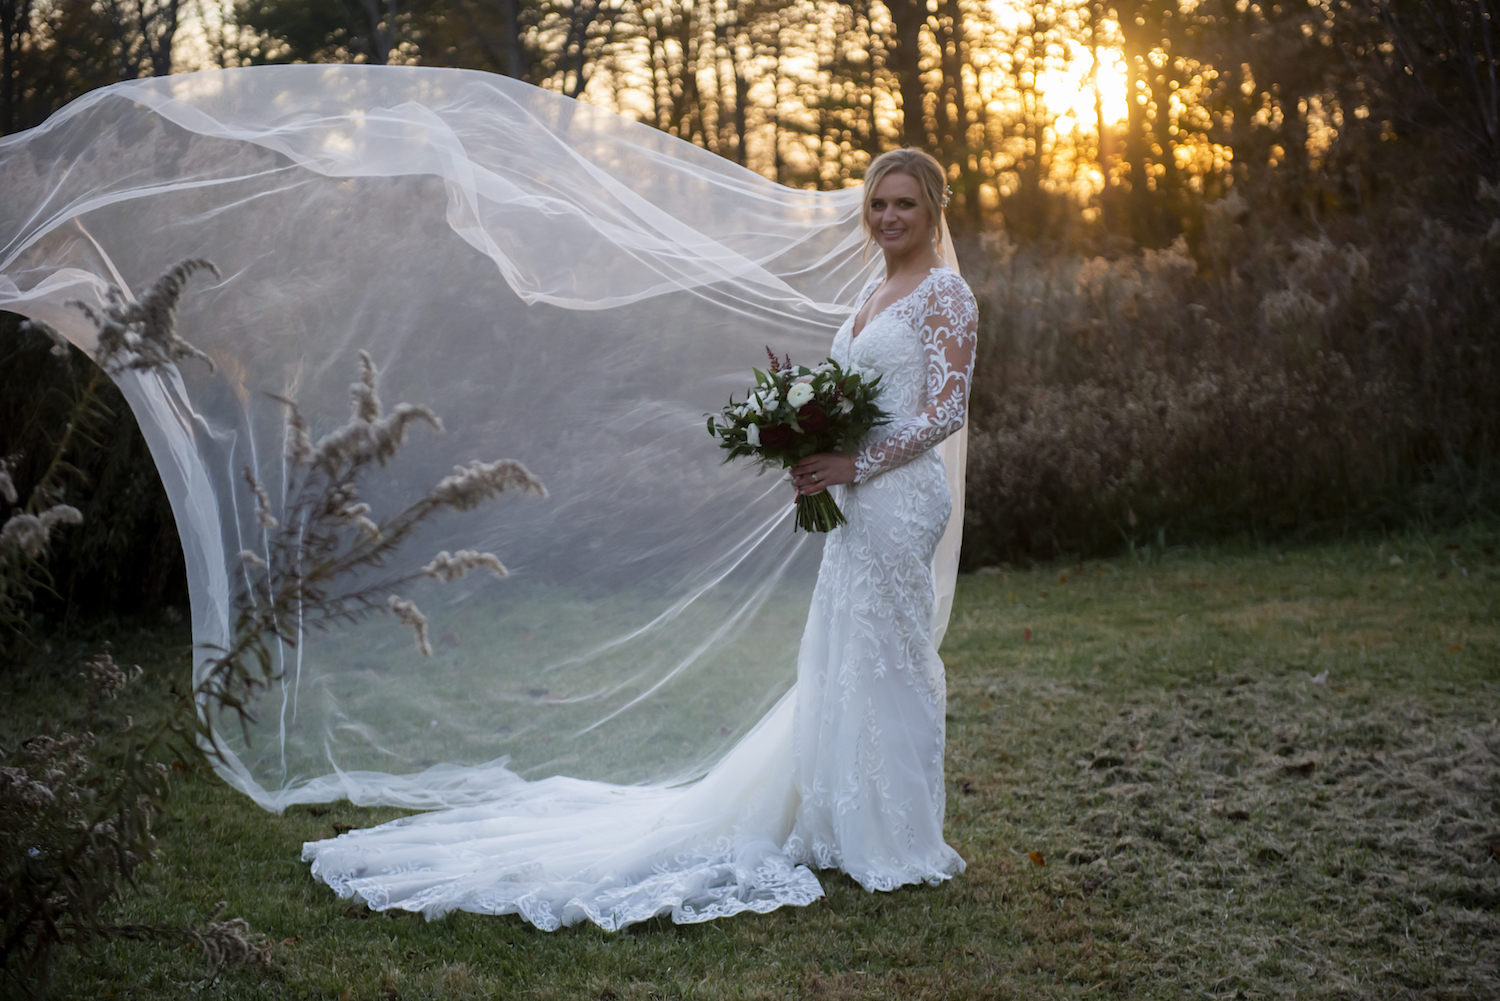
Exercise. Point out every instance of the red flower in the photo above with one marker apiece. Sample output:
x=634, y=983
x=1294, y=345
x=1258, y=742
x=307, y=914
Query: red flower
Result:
x=812, y=418
x=778, y=436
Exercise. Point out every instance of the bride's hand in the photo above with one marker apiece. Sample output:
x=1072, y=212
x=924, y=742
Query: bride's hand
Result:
x=816, y=473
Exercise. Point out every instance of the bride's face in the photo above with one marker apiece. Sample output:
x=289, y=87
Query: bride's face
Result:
x=898, y=215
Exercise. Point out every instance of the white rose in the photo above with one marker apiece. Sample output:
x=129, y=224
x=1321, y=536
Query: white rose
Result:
x=752, y=434
x=799, y=395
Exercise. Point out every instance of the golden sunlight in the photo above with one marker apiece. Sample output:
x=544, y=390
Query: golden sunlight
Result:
x=1068, y=91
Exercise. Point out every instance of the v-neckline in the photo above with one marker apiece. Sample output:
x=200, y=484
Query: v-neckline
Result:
x=855, y=335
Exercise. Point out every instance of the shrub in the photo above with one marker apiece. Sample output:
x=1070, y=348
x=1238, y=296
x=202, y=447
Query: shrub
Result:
x=1250, y=383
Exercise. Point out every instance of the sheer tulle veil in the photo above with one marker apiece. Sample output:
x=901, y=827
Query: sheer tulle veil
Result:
x=564, y=287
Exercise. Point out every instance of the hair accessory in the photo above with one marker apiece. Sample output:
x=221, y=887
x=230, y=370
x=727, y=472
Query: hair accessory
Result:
x=947, y=194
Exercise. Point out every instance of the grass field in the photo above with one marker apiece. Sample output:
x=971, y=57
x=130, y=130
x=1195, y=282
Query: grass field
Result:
x=1255, y=774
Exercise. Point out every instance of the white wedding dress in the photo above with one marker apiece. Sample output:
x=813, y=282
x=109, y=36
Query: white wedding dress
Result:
x=625, y=725
x=845, y=772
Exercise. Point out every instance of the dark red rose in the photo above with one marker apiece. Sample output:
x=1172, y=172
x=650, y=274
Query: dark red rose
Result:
x=812, y=418
x=779, y=436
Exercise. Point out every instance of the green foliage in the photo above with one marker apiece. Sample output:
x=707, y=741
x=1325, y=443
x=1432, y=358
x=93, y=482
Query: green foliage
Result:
x=72, y=831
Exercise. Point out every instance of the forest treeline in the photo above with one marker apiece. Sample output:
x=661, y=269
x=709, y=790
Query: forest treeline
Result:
x=1238, y=262
x=1321, y=107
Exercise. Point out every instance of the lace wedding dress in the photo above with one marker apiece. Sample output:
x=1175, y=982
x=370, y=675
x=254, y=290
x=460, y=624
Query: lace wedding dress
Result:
x=573, y=290
x=845, y=772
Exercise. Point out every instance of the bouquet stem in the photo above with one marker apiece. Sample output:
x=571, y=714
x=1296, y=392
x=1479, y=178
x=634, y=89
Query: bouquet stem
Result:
x=818, y=513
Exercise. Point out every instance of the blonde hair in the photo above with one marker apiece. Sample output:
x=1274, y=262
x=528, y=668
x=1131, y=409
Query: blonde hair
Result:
x=919, y=166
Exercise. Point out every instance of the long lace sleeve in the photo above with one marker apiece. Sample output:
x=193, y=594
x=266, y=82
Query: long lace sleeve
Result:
x=949, y=335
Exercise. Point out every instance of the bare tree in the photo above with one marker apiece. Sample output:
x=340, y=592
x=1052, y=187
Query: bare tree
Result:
x=144, y=31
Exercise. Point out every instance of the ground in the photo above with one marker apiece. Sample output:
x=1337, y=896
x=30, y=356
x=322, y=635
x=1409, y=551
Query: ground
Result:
x=1249, y=772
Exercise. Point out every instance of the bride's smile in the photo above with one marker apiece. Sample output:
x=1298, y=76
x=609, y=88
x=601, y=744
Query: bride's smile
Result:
x=899, y=217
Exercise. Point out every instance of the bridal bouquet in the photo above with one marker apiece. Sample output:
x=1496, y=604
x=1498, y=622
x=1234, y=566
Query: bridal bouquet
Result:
x=794, y=411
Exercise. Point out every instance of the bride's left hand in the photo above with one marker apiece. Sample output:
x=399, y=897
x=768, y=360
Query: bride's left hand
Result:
x=817, y=473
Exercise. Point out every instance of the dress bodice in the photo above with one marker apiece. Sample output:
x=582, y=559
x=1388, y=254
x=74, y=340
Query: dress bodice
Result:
x=922, y=345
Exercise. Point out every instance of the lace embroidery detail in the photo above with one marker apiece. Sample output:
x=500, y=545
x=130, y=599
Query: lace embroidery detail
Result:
x=868, y=736
x=931, y=402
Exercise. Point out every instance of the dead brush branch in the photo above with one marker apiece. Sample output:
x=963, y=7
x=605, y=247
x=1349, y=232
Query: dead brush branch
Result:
x=74, y=830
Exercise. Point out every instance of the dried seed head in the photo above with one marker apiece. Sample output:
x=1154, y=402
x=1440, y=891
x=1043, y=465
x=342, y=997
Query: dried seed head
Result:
x=364, y=400
x=445, y=567
x=107, y=677
x=359, y=516
x=30, y=533
x=141, y=335
x=262, y=500
x=411, y=616
x=472, y=485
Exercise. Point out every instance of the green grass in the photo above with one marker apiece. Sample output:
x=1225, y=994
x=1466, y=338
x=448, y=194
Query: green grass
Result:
x=1215, y=821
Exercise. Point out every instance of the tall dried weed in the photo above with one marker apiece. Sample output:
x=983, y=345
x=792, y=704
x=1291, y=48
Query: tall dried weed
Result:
x=1254, y=382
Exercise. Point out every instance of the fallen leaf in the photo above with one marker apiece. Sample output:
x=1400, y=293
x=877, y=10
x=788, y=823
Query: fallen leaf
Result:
x=291, y=941
x=966, y=787
x=1238, y=814
x=1302, y=767
x=1026, y=634
x=1037, y=858
x=179, y=768
x=1062, y=578
x=1455, y=648
x=356, y=913
x=339, y=827
x=348, y=994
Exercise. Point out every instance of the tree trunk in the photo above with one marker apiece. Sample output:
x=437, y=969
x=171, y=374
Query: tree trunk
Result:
x=515, y=66
x=15, y=19
x=903, y=59
x=1104, y=154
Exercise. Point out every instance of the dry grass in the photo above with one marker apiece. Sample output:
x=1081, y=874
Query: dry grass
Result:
x=1258, y=382
x=1215, y=822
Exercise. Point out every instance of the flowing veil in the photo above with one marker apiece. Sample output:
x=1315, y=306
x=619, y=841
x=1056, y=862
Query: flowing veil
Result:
x=564, y=287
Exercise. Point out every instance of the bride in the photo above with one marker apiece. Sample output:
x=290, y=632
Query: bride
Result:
x=847, y=772
x=573, y=289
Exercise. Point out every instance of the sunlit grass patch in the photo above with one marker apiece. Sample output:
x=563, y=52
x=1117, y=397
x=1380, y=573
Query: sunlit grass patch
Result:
x=1247, y=774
